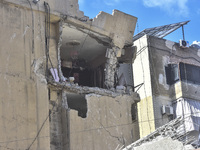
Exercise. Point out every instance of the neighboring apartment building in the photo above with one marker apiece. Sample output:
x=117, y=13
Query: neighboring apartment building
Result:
x=58, y=73
x=169, y=75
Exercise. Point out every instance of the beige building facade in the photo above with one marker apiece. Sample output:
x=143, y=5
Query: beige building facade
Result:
x=58, y=77
x=169, y=76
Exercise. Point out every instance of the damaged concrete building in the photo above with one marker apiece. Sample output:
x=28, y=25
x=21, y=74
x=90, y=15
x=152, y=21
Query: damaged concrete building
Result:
x=169, y=77
x=66, y=80
x=70, y=82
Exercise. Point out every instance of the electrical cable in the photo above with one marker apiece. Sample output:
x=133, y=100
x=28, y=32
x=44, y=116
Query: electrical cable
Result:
x=47, y=63
x=33, y=36
x=106, y=129
x=43, y=124
x=39, y=130
x=139, y=85
x=141, y=50
x=47, y=37
x=49, y=25
x=147, y=103
x=134, y=123
x=85, y=38
x=134, y=80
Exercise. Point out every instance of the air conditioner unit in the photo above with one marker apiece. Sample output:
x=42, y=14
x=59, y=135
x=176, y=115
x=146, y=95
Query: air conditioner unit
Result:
x=183, y=44
x=168, y=110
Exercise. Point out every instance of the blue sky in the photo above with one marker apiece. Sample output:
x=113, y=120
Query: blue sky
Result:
x=152, y=13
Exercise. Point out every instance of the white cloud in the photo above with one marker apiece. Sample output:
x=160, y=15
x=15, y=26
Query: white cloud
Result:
x=173, y=7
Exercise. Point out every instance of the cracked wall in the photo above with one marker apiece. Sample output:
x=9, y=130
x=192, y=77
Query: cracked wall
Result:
x=88, y=121
x=24, y=97
x=108, y=124
x=27, y=103
x=65, y=7
x=59, y=120
x=67, y=124
x=108, y=118
x=168, y=52
x=153, y=55
x=141, y=74
x=122, y=33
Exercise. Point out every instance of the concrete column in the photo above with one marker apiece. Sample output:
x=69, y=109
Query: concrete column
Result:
x=111, y=65
x=55, y=121
x=60, y=26
x=65, y=121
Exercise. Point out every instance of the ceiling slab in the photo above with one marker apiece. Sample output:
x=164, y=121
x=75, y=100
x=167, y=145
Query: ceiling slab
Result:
x=83, y=43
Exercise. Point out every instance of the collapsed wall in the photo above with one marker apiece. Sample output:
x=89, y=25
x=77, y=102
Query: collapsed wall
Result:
x=107, y=125
x=87, y=116
x=91, y=121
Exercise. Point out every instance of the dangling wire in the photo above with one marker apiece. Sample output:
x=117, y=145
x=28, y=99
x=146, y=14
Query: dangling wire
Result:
x=47, y=37
x=33, y=42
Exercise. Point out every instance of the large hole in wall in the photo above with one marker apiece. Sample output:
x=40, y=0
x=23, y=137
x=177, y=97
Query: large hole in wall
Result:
x=83, y=56
x=78, y=103
x=125, y=75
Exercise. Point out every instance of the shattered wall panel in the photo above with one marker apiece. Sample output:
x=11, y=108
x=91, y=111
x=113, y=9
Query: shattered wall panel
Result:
x=121, y=33
x=108, y=124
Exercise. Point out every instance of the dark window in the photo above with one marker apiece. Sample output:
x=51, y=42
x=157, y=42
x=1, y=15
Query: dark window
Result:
x=189, y=73
x=86, y=77
x=172, y=73
x=134, y=112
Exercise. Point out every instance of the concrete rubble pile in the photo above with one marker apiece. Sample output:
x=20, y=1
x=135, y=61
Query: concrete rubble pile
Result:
x=170, y=136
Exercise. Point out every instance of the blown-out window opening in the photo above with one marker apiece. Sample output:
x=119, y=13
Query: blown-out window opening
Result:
x=182, y=72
